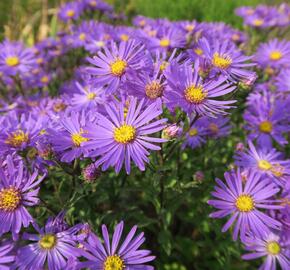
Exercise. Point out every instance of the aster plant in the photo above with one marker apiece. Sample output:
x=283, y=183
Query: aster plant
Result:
x=103, y=120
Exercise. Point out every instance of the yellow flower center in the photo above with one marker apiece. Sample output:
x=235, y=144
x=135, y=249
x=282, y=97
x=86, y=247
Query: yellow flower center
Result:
x=9, y=199
x=48, y=241
x=195, y=94
x=154, y=90
x=164, y=42
x=82, y=37
x=198, y=51
x=42, y=132
x=142, y=23
x=91, y=96
x=93, y=3
x=77, y=138
x=273, y=248
x=258, y=22
x=235, y=37
x=44, y=79
x=39, y=60
x=70, y=13
x=266, y=126
x=124, y=134
x=213, y=128
x=189, y=27
x=250, y=12
x=221, y=61
x=118, y=67
x=124, y=37
x=193, y=132
x=278, y=170
x=114, y=262
x=17, y=138
x=275, y=55
x=58, y=107
x=12, y=61
x=164, y=65
x=100, y=43
x=264, y=165
x=245, y=203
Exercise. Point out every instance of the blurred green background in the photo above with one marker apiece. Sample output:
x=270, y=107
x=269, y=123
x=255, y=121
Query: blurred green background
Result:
x=19, y=15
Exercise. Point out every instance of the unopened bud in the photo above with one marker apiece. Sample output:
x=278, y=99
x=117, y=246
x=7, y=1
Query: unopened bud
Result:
x=91, y=173
x=199, y=176
x=240, y=146
x=171, y=132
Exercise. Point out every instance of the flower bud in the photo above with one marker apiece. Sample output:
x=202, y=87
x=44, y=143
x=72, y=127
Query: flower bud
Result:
x=199, y=176
x=91, y=173
x=240, y=146
x=171, y=132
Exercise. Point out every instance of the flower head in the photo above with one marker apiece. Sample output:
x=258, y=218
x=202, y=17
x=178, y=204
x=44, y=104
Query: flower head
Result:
x=225, y=58
x=270, y=246
x=18, y=190
x=187, y=90
x=68, y=135
x=51, y=246
x=265, y=161
x=243, y=202
x=16, y=59
x=274, y=54
x=70, y=11
x=121, y=136
x=112, y=255
x=113, y=65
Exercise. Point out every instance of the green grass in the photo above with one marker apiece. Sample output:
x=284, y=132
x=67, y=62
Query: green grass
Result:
x=18, y=12
x=201, y=10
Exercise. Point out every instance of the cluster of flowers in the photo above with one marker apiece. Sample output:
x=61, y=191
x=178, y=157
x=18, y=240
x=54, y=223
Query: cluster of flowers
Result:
x=264, y=16
x=256, y=195
x=130, y=79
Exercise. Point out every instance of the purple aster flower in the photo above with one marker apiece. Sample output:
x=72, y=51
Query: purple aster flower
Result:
x=51, y=246
x=274, y=54
x=16, y=59
x=6, y=254
x=264, y=161
x=265, y=119
x=114, y=255
x=141, y=21
x=113, y=65
x=283, y=81
x=187, y=90
x=217, y=127
x=243, y=203
x=225, y=58
x=67, y=136
x=122, y=33
x=19, y=132
x=148, y=85
x=245, y=11
x=270, y=246
x=123, y=135
x=188, y=26
x=70, y=11
x=196, y=135
x=18, y=189
x=97, y=5
x=167, y=37
x=88, y=97
x=164, y=60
